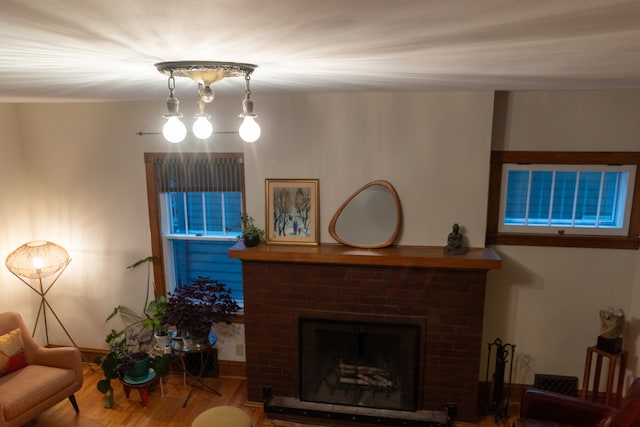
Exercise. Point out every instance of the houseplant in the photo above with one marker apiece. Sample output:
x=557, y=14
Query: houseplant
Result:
x=152, y=313
x=128, y=356
x=251, y=234
x=156, y=309
x=129, y=346
x=195, y=307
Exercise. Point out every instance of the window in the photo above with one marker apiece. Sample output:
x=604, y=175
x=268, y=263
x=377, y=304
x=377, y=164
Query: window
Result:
x=198, y=228
x=195, y=202
x=564, y=199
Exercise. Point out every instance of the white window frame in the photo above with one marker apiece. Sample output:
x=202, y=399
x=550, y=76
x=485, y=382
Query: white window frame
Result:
x=500, y=158
x=568, y=229
x=168, y=238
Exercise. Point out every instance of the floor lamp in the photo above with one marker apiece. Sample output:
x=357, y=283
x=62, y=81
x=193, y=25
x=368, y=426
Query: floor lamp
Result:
x=35, y=260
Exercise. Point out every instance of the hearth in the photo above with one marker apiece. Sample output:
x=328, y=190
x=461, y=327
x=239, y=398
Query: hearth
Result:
x=358, y=363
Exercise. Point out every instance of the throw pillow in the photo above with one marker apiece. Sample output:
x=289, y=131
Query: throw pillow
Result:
x=12, y=355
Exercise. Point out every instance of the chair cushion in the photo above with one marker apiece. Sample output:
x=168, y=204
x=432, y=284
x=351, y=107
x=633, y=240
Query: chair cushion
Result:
x=12, y=354
x=28, y=387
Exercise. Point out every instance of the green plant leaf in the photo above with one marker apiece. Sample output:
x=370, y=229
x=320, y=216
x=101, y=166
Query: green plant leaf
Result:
x=162, y=364
x=142, y=261
x=110, y=365
x=104, y=385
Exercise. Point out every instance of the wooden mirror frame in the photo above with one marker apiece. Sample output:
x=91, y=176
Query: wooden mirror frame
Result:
x=396, y=230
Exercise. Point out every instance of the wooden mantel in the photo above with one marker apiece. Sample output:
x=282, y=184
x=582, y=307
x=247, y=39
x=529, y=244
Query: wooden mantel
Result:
x=399, y=256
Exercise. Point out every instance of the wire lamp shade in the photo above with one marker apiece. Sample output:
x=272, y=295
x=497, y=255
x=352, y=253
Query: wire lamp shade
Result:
x=38, y=259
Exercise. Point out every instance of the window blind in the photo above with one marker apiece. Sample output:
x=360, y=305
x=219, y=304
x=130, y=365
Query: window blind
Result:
x=188, y=174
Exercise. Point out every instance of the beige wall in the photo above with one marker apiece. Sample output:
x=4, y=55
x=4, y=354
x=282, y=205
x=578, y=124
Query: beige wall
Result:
x=546, y=300
x=14, y=209
x=87, y=193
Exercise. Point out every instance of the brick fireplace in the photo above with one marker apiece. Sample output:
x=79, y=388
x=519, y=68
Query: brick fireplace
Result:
x=442, y=295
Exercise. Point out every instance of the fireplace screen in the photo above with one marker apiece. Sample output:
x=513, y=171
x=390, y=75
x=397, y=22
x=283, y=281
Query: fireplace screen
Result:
x=365, y=364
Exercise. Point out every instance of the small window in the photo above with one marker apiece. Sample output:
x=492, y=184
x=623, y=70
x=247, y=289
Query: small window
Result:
x=572, y=199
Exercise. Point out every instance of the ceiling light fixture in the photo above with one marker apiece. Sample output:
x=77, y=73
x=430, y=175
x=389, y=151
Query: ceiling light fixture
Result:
x=205, y=73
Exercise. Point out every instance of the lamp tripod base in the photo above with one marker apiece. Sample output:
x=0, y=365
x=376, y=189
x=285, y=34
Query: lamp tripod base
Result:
x=42, y=310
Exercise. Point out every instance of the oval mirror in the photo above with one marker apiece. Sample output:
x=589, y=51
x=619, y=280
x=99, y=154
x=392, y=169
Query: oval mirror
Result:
x=370, y=218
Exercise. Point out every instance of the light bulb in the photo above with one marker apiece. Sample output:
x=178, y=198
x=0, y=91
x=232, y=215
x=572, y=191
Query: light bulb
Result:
x=174, y=130
x=38, y=263
x=202, y=127
x=249, y=130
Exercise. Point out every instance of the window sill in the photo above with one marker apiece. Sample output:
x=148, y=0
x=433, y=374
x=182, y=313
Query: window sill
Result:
x=227, y=237
x=238, y=318
x=567, y=241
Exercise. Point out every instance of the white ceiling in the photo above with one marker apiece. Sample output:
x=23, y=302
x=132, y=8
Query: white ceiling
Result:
x=59, y=50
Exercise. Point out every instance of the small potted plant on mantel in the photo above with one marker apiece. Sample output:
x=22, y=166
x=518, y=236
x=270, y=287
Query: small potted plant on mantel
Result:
x=251, y=234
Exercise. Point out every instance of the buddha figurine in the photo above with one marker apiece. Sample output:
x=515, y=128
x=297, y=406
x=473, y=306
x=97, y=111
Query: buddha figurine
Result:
x=455, y=242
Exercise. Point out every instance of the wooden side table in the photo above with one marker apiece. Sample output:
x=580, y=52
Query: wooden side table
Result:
x=618, y=360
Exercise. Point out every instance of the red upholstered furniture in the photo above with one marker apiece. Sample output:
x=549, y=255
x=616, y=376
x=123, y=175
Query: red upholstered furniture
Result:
x=50, y=375
x=546, y=409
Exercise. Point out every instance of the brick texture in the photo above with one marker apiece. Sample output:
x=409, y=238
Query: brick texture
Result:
x=448, y=304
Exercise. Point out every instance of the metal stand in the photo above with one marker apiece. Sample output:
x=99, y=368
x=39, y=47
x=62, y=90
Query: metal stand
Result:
x=499, y=404
x=198, y=381
x=179, y=348
x=43, y=309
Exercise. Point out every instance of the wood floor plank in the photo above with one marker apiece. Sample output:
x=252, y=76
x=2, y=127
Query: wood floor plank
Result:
x=165, y=410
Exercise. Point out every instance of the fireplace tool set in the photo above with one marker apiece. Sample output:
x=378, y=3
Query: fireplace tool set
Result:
x=498, y=402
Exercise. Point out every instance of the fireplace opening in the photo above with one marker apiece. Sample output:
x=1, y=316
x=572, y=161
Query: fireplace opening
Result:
x=366, y=364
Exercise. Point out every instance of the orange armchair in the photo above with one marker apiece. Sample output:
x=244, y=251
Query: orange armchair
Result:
x=50, y=375
x=546, y=409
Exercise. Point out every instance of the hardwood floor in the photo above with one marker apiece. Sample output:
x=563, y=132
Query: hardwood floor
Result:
x=164, y=410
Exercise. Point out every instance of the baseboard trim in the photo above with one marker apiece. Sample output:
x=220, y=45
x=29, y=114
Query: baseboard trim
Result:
x=232, y=369
x=226, y=368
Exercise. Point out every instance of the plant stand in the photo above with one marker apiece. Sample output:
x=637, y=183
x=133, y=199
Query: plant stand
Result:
x=143, y=387
x=181, y=351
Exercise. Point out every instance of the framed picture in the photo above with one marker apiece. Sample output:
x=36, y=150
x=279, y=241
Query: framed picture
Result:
x=292, y=211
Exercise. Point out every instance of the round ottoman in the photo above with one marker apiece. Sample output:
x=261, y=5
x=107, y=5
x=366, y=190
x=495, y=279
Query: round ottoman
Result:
x=222, y=416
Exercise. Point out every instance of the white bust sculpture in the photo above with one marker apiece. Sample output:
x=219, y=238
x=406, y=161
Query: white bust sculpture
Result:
x=612, y=322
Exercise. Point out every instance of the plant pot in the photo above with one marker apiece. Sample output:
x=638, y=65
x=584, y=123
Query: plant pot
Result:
x=162, y=340
x=139, y=368
x=251, y=240
x=200, y=337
